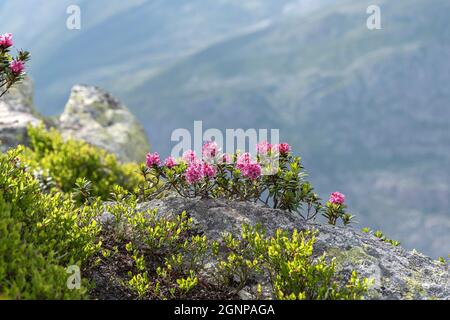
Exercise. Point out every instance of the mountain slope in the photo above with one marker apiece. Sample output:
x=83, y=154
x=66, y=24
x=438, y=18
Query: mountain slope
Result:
x=126, y=41
x=368, y=109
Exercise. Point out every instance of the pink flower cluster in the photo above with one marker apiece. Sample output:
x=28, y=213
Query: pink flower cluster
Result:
x=210, y=150
x=198, y=171
x=243, y=160
x=337, y=198
x=226, y=158
x=252, y=171
x=170, y=162
x=209, y=171
x=17, y=67
x=194, y=173
x=249, y=168
x=6, y=40
x=263, y=148
x=153, y=160
x=190, y=157
x=283, y=148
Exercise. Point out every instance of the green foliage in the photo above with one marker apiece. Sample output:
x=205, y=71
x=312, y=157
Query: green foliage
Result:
x=40, y=235
x=381, y=236
x=334, y=211
x=444, y=261
x=169, y=260
x=50, y=198
x=66, y=162
x=176, y=255
x=187, y=284
x=288, y=261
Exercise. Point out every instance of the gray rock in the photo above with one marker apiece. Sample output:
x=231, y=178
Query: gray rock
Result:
x=16, y=113
x=397, y=273
x=93, y=115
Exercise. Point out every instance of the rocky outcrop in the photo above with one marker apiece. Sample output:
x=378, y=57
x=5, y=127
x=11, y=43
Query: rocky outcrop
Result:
x=91, y=114
x=16, y=113
x=397, y=273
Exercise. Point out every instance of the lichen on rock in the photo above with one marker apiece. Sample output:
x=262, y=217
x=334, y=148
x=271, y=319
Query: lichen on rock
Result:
x=93, y=115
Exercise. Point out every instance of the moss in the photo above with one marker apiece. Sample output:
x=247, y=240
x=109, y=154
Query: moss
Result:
x=353, y=256
x=413, y=287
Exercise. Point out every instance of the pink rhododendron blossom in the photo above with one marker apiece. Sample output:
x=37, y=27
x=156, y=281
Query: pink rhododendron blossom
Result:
x=252, y=171
x=337, y=198
x=263, y=147
x=170, y=162
x=283, y=148
x=209, y=171
x=153, y=160
x=243, y=160
x=249, y=168
x=210, y=150
x=6, y=40
x=17, y=67
x=190, y=157
x=194, y=173
x=226, y=158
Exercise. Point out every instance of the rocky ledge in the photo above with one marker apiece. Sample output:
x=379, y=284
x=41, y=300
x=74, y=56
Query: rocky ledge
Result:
x=397, y=273
x=91, y=114
x=16, y=113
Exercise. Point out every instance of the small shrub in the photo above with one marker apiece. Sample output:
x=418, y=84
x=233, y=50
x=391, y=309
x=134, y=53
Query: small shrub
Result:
x=274, y=177
x=66, y=162
x=287, y=260
x=381, y=236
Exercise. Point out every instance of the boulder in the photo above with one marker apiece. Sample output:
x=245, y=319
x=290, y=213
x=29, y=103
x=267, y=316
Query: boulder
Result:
x=16, y=113
x=397, y=273
x=93, y=115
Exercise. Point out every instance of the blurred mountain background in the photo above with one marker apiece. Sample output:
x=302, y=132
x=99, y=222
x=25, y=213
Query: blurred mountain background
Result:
x=369, y=111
